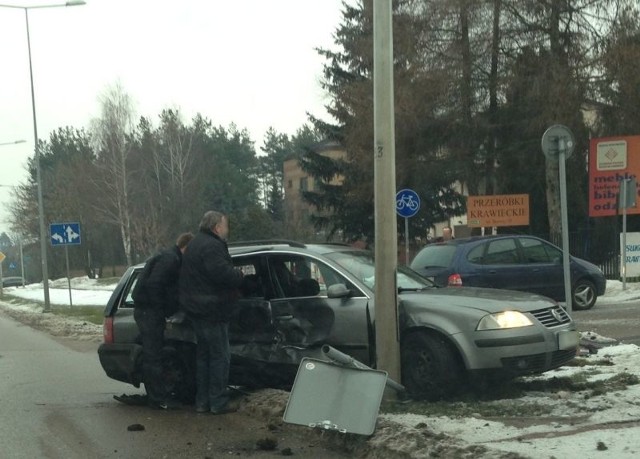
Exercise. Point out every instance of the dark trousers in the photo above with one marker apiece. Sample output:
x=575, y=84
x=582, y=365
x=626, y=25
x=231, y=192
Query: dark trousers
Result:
x=151, y=324
x=212, y=363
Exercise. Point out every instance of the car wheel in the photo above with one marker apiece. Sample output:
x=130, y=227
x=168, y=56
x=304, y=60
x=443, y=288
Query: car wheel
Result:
x=584, y=295
x=178, y=374
x=431, y=367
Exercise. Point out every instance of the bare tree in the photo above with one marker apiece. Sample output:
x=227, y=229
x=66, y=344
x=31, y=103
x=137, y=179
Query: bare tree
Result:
x=111, y=133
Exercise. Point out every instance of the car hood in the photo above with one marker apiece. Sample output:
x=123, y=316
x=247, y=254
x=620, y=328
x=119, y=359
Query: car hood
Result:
x=481, y=299
x=587, y=265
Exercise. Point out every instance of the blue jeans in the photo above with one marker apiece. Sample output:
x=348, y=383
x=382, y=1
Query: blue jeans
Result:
x=212, y=363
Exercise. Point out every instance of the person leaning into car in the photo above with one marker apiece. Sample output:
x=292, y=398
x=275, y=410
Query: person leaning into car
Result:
x=208, y=292
x=155, y=297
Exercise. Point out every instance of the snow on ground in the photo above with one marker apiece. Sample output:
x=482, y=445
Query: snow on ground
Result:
x=583, y=424
x=615, y=294
x=579, y=425
x=84, y=291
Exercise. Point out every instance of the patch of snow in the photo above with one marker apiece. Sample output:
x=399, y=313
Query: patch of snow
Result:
x=614, y=293
x=84, y=292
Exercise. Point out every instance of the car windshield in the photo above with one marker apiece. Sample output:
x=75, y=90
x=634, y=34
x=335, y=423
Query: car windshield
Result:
x=361, y=265
x=434, y=256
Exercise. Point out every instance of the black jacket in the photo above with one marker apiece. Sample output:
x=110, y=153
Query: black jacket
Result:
x=157, y=285
x=208, y=281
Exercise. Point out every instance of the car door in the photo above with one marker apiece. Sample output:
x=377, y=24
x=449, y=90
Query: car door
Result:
x=252, y=319
x=544, y=267
x=304, y=313
x=502, y=266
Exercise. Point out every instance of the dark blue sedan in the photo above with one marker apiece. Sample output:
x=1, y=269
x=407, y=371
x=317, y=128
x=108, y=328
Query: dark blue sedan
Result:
x=513, y=262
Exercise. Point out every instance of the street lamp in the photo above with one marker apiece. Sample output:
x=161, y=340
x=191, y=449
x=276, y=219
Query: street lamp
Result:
x=43, y=231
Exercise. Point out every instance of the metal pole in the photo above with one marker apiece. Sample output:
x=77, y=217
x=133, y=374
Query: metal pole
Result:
x=1, y=281
x=386, y=237
x=66, y=255
x=406, y=241
x=43, y=232
x=562, y=148
x=21, y=261
x=623, y=200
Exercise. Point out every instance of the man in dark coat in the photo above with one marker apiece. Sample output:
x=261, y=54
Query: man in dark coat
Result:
x=155, y=297
x=208, y=292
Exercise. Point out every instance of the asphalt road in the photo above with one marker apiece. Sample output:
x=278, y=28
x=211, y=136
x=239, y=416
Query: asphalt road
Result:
x=619, y=321
x=56, y=402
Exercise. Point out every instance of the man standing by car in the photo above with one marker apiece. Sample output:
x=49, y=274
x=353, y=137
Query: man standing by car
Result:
x=208, y=292
x=155, y=297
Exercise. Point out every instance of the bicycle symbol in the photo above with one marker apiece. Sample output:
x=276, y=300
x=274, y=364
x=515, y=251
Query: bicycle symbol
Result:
x=408, y=201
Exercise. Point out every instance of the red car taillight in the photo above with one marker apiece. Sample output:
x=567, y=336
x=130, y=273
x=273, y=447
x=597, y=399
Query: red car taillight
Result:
x=107, y=330
x=454, y=280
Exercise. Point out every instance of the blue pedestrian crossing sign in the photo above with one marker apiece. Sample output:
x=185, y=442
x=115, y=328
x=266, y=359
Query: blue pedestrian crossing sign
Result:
x=65, y=233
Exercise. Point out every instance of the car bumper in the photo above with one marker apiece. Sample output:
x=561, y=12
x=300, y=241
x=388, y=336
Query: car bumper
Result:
x=119, y=362
x=521, y=351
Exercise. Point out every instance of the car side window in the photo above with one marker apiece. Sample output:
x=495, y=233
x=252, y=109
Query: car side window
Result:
x=475, y=255
x=501, y=252
x=253, y=281
x=128, y=298
x=300, y=276
x=534, y=251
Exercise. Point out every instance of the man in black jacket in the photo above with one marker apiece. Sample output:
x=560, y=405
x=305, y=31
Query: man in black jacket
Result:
x=208, y=292
x=155, y=297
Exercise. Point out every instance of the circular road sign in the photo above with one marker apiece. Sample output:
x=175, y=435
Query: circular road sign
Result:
x=407, y=203
x=552, y=139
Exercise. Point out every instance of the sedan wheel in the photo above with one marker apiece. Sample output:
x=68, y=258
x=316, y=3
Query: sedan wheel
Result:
x=431, y=369
x=584, y=295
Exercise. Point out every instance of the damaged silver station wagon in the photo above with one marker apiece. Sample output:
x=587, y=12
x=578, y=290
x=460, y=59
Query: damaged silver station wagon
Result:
x=304, y=296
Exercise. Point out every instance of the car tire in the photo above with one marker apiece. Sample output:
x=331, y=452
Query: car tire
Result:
x=431, y=367
x=584, y=295
x=178, y=374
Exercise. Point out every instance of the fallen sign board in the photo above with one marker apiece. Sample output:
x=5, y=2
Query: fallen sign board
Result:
x=498, y=210
x=334, y=397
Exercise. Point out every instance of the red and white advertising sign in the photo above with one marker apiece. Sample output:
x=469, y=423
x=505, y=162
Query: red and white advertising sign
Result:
x=611, y=160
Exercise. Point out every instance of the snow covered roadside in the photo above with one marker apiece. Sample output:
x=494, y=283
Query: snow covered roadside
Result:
x=584, y=424
x=26, y=306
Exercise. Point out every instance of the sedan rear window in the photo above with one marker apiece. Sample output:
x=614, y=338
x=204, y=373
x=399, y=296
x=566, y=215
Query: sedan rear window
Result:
x=434, y=256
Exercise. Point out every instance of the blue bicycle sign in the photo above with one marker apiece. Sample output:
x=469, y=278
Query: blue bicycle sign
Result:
x=407, y=203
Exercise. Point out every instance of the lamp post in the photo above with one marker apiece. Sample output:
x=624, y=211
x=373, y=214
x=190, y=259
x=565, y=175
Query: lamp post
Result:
x=43, y=231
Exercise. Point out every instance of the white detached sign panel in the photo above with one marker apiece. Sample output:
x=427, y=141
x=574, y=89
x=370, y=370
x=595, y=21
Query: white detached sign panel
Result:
x=633, y=254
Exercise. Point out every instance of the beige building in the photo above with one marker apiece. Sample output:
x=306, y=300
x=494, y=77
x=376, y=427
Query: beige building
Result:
x=298, y=212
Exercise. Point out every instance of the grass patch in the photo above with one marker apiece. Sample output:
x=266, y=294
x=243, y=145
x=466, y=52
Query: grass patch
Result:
x=476, y=408
x=579, y=382
x=107, y=280
x=84, y=313
x=580, y=362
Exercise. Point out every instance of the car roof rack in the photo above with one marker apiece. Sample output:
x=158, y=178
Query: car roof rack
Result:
x=267, y=242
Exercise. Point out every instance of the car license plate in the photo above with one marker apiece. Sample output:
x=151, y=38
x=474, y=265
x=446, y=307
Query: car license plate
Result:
x=568, y=339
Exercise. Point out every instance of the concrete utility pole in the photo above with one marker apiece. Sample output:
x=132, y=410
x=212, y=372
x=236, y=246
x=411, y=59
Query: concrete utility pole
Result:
x=386, y=238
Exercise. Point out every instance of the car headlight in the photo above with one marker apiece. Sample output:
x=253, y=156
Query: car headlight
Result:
x=505, y=319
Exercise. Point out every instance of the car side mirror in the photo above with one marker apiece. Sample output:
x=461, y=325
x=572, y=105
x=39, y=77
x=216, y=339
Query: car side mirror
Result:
x=338, y=291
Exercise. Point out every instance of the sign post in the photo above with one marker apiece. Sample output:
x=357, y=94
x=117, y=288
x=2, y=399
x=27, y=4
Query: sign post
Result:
x=2, y=257
x=558, y=145
x=628, y=191
x=66, y=234
x=407, y=205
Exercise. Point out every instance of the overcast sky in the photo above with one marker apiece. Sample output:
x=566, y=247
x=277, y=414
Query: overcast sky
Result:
x=251, y=62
